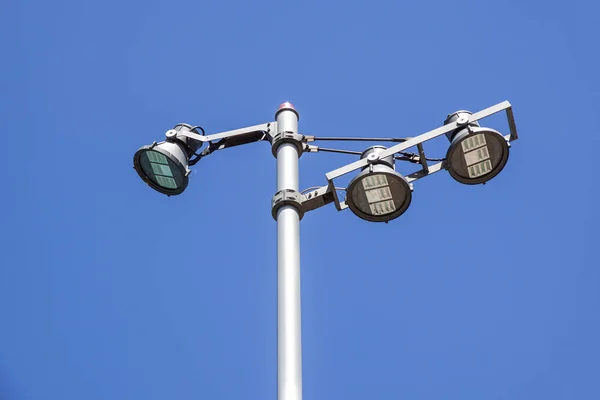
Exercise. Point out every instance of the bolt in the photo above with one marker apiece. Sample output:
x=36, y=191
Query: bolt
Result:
x=372, y=157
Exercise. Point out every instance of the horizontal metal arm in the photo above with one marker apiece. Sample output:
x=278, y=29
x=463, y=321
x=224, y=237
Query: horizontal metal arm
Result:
x=236, y=137
x=268, y=128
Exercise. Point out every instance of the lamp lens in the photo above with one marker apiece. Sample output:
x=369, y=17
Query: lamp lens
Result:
x=480, y=169
x=383, y=207
x=473, y=142
x=378, y=194
x=374, y=181
x=161, y=170
x=156, y=157
x=167, y=182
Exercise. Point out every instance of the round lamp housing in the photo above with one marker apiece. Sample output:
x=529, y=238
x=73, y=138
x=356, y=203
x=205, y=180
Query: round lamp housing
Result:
x=378, y=193
x=476, y=154
x=164, y=167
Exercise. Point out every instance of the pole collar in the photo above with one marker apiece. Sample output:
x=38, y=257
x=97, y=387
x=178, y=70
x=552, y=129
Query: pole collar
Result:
x=287, y=137
x=287, y=197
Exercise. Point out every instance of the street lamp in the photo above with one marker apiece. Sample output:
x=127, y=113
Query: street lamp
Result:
x=378, y=193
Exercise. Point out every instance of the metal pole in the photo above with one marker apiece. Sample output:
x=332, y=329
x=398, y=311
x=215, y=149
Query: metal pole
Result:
x=289, y=342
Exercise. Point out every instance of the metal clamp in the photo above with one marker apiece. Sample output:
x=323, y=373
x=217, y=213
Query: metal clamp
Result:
x=287, y=197
x=288, y=137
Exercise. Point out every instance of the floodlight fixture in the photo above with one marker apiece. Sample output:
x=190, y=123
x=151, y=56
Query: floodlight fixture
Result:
x=164, y=167
x=476, y=154
x=378, y=193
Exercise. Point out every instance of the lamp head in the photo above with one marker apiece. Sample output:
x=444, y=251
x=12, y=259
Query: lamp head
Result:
x=476, y=154
x=378, y=193
x=164, y=167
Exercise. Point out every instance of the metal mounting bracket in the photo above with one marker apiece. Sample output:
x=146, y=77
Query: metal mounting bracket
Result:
x=419, y=140
x=316, y=198
x=287, y=197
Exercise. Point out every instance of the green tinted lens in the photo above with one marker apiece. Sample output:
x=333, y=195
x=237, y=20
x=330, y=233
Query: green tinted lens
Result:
x=160, y=169
x=166, y=182
x=156, y=157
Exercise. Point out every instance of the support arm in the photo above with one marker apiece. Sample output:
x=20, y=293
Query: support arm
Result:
x=226, y=139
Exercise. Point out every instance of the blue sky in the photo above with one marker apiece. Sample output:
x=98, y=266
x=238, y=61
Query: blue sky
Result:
x=109, y=290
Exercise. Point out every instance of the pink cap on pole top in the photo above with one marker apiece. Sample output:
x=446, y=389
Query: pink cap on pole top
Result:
x=287, y=106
